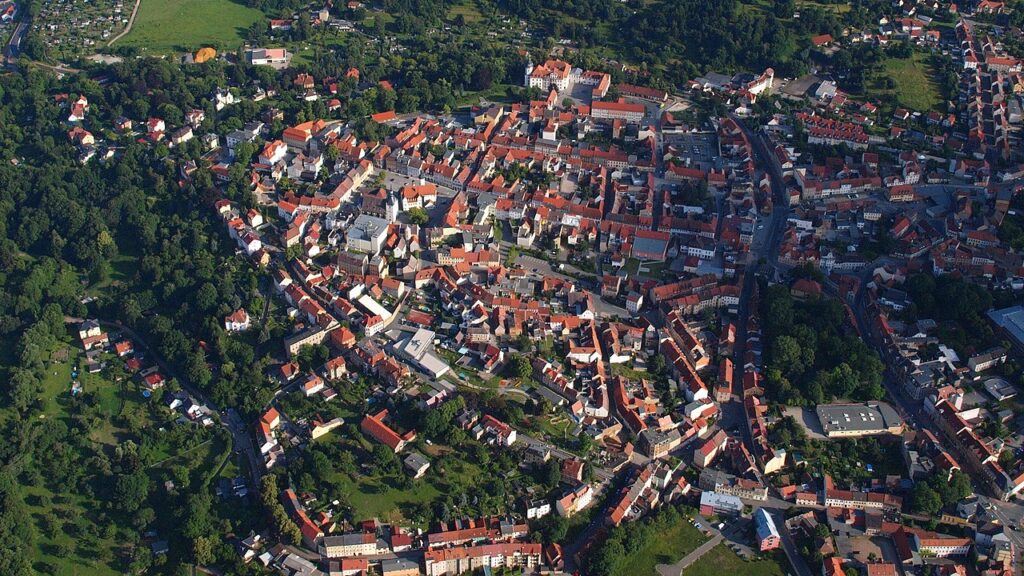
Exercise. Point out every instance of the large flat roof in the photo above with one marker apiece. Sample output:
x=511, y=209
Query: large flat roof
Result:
x=1012, y=320
x=857, y=417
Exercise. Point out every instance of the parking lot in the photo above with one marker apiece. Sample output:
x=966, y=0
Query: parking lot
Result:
x=701, y=147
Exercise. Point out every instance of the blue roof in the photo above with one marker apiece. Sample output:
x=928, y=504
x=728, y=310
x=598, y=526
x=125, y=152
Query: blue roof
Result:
x=765, y=524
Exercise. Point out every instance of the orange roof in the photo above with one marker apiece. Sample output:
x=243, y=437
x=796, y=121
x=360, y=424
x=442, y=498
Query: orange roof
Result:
x=382, y=117
x=380, y=431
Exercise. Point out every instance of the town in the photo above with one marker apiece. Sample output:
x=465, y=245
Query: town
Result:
x=758, y=320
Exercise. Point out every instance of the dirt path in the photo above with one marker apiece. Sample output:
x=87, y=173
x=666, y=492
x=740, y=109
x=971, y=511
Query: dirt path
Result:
x=128, y=28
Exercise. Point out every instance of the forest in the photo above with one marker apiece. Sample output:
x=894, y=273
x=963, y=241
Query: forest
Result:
x=809, y=358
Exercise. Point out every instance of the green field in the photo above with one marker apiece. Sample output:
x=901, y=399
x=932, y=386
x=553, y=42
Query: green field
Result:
x=722, y=560
x=468, y=10
x=915, y=89
x=837, y=8
x=80, y=545
x=666, y=548
x=165, y=26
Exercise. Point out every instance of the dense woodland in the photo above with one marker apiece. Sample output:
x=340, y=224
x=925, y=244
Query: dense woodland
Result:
x=812, y=358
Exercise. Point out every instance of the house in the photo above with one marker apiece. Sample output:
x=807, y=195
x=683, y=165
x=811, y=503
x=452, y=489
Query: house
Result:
x=416, y=464
x=89, y=328
x=153, y=381
x=78, y=109
x=181, y=135
x=575, y=500
x=502, y=433
x=237, y=321
x=335, y=368
x=510, y=555
x=81, y=137
x=155, y=128
x=536, y=508
x=767, y=534
x=313, y=384
x=572, y=471
x=349, y=545
x=272, y=153
x=124, y=348
x=373, y=426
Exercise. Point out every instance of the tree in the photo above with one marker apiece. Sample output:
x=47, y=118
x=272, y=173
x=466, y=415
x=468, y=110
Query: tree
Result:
x=130, y=490
x=924, y=500
x=418, y=216
x=788, y=355
x=520, y=366
x=552, y=473
x=202, y=550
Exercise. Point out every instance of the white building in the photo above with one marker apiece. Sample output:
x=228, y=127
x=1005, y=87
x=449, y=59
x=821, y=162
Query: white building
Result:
x=367, y=234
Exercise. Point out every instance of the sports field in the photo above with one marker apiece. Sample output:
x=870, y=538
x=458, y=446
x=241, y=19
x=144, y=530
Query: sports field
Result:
x=164, y=26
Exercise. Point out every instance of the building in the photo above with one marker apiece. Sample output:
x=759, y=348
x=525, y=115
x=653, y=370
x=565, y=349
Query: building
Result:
x=720, y=504
x=706, y=452
x=849, y=420
x=502, y=433
x=624, y=111
x=374, y=426
x=416, y=464
x=767, y=534
x=657, y=444
x=347, y=545
x=987, y=359
x=237, y=321
x=575, y=500
x=276, y=58
x=1011, y=322
x=367, y=234
x=561, y=76
x=452, y=561
x=536, y=508
x=418, y=349
x=712, y=480
x=399, y=567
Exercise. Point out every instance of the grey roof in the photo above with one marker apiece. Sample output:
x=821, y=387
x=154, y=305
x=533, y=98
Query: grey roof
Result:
x=649, y=245
x=1012, y=320
x=721, y=501
x=415, y=460
x=398, y=565
x=857, y=417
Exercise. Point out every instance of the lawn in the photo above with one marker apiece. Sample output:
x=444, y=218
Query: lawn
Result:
x=73, y=535
x=468, y=10
x=915, y=88
x=78, y=546
x=496, y=93
x=111, y=398
x=165, y=26
x=722, y=560
x=836, y=8
x=379, y=497
x=666, y=548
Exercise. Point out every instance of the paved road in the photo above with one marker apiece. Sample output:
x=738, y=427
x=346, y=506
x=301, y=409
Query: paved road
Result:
x=677, y=568
x=796, y=561
x=765, y=249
